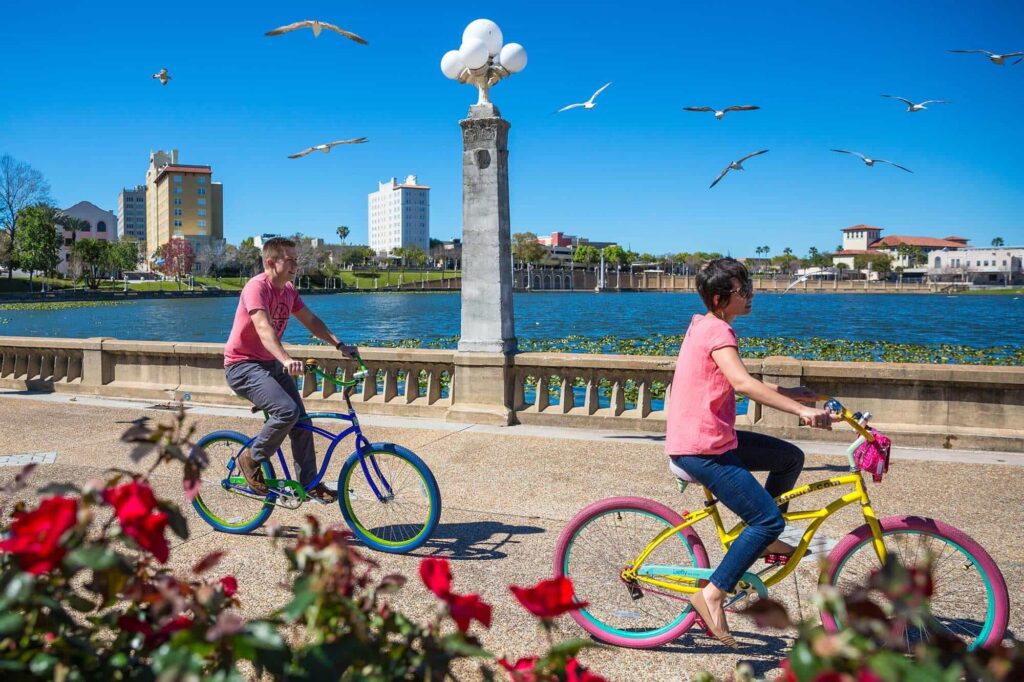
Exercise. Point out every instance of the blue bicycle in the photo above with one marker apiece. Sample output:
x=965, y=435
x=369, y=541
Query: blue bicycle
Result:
x=387, y=494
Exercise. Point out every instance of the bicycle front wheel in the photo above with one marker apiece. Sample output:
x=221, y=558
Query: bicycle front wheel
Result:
x=607, y=537
x=389, y=498
x=221, y=500
x=969, y=599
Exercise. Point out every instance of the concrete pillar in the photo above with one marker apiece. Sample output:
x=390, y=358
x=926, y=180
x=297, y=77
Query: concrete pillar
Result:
x=481, y=391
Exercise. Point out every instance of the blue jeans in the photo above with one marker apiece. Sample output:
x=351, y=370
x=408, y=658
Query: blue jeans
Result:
x=728, y=478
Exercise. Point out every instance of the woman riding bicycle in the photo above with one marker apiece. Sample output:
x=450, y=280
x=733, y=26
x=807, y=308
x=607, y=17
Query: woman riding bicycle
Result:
x=703, y=442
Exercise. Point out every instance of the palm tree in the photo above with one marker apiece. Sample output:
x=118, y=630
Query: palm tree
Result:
x=997, y=242
x=787, y=251
x=342, y=233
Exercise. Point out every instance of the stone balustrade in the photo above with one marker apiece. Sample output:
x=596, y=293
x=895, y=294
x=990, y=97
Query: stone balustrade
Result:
x=962, y=406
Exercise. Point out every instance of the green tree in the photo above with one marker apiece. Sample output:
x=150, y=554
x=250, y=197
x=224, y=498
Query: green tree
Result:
x=357, y=255
x=526, y=248
x=878, y=262
x=94, y=254
x=586, y=254
x=342, y=233
x=615, y=255
x=21, y=186
x=997, y=242
x=37, y=240
x=250, y=258
x=124, y=256
x=914, y=254
x=841, y=268
x=416, y=256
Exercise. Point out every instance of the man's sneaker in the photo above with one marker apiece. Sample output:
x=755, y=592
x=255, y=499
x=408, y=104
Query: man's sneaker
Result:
x=253, y=473
x=323, y=494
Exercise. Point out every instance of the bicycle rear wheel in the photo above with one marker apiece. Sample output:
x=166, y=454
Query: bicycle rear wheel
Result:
x=602, y=540
x=219, y=502
x=969, y=599
x=389, y=498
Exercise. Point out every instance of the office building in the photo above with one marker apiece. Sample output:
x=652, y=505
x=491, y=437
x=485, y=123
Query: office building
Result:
x=399, y=216
x=182, y=202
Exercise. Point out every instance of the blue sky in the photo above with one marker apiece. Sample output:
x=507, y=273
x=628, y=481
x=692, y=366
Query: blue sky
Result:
x=78, y=103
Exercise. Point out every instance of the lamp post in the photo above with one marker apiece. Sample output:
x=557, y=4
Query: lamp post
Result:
x=487, y=340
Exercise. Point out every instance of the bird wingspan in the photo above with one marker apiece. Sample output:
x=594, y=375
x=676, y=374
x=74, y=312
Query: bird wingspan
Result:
x=893, y=164
x=341, y=31
x=1014, y=54
x=978, y=51
x=290, y=27
x=741, y=107
x=357, y=140
x=720, y=176
x=302, y=153
x=698, y=108
x=844, y=151
x=935, y=101
x=902, y=99
x=752, y=154
x=600, y=90
x=571, y=106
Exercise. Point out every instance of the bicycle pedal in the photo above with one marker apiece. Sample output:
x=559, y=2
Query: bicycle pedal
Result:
x=776, y=559
x=634, y=591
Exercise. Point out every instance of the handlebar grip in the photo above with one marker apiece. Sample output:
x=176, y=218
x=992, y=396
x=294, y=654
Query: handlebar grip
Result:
x=362, y=374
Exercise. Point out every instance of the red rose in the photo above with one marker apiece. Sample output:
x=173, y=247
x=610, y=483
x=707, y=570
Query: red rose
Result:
x=521, y=670
x=468, y=607
x=548, y=598
x=437, y=576
x=35, y=536
x=868, y=675
x=787, y=672
x=136, y=509
x=132, y=501
x=149, y=535
x=574, y=672
x=831, y=676
x=230, y=585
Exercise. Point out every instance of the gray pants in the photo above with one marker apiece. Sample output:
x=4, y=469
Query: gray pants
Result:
x=267, y=386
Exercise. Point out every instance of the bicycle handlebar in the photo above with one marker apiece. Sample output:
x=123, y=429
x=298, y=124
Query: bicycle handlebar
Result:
x=836, y=407
x=313, y=366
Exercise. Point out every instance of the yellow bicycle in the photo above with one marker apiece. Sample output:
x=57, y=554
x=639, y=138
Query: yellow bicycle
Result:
x=636, y=561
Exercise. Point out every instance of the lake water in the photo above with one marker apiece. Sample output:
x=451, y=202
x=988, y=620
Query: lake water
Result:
x=977, y=321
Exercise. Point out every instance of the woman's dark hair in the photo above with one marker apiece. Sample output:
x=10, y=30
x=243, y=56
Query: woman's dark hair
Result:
x=716, y=277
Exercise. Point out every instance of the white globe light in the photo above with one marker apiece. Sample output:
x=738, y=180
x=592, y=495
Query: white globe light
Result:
x=452, y=65
x=513, y=57
x=487, y=31
x=473, y=53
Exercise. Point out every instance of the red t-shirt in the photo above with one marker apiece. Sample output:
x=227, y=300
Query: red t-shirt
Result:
x=244, y=343
x=701, y=417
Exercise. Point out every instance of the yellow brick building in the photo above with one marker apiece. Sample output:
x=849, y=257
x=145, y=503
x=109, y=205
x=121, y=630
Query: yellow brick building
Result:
x=182, y=202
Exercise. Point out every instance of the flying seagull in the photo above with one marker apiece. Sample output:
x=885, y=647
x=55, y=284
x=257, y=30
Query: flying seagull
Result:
x=589, y=104
x=999, y=59
x=911, y=107
x=325, y=148
x=735, y=165
x=720, y=113
x=871, y=162
x=317, y=26
x=162, y=76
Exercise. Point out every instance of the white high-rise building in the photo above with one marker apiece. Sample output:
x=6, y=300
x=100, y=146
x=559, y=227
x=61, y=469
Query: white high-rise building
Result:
x=131, y=215
x=399, y=216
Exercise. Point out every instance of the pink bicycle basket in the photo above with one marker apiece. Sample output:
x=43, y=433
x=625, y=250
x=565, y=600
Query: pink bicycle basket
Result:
x=874, y=457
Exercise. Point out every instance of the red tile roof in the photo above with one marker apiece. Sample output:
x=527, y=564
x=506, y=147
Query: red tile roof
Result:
x=893, y=241
x=858, y=228
x=176, y=168
x=954, y=238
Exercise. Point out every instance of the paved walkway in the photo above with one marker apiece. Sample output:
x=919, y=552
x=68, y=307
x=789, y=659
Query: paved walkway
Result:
x=508, y=492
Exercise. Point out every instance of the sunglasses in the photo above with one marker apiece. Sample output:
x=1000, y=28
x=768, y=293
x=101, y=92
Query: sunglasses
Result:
x=745, y=290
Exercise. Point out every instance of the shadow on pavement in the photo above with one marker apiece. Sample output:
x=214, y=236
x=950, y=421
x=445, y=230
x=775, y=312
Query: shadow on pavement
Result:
x=475, y=541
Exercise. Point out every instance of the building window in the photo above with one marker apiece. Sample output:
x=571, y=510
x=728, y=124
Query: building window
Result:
x=202, y=211
x=202, y=223
x=201, y=202
x=177, y=178
x=201, y=179
x=177, y=190
x=201, y=191
x=177, y=201
x=101, y=226
x=177, y=223
x=177, y=211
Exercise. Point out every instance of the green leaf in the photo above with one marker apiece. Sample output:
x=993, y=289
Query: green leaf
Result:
x=298, y=605
x=42, y=664
x=456, y=643
x=20, y=587
x=60, y=489
x=175, y=518
x=11, y=622
x=571, y=647
x=264, y=635
x=96, y=557
x=119, y=660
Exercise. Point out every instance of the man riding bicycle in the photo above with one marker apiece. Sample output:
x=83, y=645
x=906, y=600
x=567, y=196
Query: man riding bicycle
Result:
x=259, y=368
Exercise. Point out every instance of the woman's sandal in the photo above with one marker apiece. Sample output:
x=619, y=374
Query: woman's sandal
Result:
x=778, y=548
x=700, y=605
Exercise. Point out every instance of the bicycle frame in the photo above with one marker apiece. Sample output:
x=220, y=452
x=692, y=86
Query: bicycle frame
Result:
x=686, y=579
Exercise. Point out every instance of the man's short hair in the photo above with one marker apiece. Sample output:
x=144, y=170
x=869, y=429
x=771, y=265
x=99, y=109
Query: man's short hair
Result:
x=715, y=279
x=274, y=248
